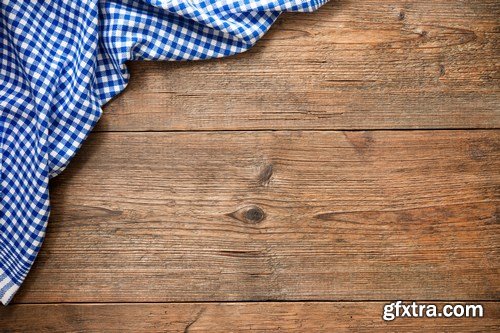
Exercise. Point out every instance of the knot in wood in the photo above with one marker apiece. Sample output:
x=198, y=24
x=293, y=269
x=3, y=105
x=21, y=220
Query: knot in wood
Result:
x=249, y=214
x=266, y=174
x=254, y=214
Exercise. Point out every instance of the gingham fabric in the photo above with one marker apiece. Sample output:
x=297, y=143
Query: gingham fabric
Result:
x=60, y=61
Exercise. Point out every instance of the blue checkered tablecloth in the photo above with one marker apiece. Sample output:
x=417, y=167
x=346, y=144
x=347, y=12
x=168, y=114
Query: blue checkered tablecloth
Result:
x=61, y=60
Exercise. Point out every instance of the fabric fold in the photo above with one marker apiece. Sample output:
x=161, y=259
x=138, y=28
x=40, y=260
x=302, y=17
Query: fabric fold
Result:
x=60, y=61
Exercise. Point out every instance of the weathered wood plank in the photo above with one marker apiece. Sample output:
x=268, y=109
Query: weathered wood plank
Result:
x=352, y=65
x=231, y=317
x=294, y=215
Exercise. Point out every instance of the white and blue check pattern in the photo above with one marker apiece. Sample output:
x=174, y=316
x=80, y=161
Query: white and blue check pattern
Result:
x=61, y=60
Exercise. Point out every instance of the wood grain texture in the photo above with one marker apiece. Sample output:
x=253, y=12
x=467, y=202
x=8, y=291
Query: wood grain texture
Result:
x=231, y=317
x=219, y=209
x=366, y=64
x=297, y=215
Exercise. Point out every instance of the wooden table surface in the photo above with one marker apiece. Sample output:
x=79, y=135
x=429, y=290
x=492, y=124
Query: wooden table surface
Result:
x=350, y=159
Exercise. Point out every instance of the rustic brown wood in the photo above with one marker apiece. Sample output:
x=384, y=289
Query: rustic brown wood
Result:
x=231, y=317
x=300, y=215
x=352, y=218
x=366, y=64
